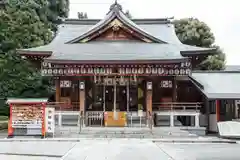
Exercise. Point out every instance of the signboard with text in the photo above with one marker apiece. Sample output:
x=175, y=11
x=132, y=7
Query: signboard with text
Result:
x=27, y=116
x=50, y=120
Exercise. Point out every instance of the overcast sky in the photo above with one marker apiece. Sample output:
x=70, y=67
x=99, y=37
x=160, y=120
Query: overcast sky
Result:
x=223, y=16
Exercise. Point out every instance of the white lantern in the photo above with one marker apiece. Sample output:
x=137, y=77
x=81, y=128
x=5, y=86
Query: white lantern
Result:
x=149, y=85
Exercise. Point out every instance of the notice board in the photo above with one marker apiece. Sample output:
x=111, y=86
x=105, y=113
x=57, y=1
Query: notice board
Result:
x=26, y=118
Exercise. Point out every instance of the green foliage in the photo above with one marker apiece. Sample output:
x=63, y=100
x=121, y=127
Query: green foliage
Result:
x=3, y=125
x=25, y=24
x=56, y=9
x=18, y=78
x=193, y=32
x=214, y=62
x=3, y=118
x=4, y=109
x=22, y=29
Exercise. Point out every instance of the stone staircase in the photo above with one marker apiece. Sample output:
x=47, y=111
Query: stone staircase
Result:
x=115, y=132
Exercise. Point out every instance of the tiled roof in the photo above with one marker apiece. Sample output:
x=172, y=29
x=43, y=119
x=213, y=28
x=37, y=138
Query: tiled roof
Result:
x=232, y=68
x=161, y=30
x=116, y=50
x=218, y=84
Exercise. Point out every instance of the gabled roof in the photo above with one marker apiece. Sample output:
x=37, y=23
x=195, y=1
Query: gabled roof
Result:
x=218, y=84
x=116, y=13
x=161, y=31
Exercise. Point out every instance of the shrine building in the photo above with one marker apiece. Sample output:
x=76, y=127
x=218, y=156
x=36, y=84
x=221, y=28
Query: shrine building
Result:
x=125, y=72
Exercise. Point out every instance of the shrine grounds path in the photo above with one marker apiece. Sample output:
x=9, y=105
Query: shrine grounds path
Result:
x=93, y=145
x=119, y=149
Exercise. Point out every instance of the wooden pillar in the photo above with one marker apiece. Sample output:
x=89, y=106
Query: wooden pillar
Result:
x=58, y=90
x=197, y=122
x=174, y=98
x=217, y=110
x=149, y=99
x=10, y=128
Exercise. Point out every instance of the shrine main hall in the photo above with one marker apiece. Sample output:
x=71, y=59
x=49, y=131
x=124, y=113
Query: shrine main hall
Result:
x=122, y=72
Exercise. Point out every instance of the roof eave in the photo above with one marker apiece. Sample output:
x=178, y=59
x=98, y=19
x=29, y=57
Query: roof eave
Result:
x=211, y=51
x=26, y=100
x=34, y=53
x=115, y=61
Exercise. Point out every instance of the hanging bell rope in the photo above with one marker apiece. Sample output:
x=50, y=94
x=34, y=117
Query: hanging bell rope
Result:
x=95, y=79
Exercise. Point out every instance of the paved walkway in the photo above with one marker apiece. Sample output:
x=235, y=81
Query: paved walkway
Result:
x=116, y=149
x=129, y=144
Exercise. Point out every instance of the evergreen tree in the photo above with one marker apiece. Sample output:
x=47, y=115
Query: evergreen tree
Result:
x=193, y=32
x=26, y=24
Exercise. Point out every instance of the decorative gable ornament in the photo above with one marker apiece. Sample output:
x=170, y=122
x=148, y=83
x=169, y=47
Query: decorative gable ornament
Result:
x=116, y=20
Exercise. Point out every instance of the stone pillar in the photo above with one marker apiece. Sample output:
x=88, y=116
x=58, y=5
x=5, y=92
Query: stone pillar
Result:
x=59, y=119
x=171, y=120
x=197, y=124
x=82, y=101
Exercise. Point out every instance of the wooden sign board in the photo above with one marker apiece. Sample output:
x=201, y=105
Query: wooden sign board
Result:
x=27, y=117
x=50, y=120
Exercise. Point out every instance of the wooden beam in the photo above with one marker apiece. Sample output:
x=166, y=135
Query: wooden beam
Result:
x=174, y=98
x=58, y=90
x=149, y=101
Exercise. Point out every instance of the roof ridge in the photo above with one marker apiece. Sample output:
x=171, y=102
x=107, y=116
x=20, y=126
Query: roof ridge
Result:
x=138, y=21
x=116, y=13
